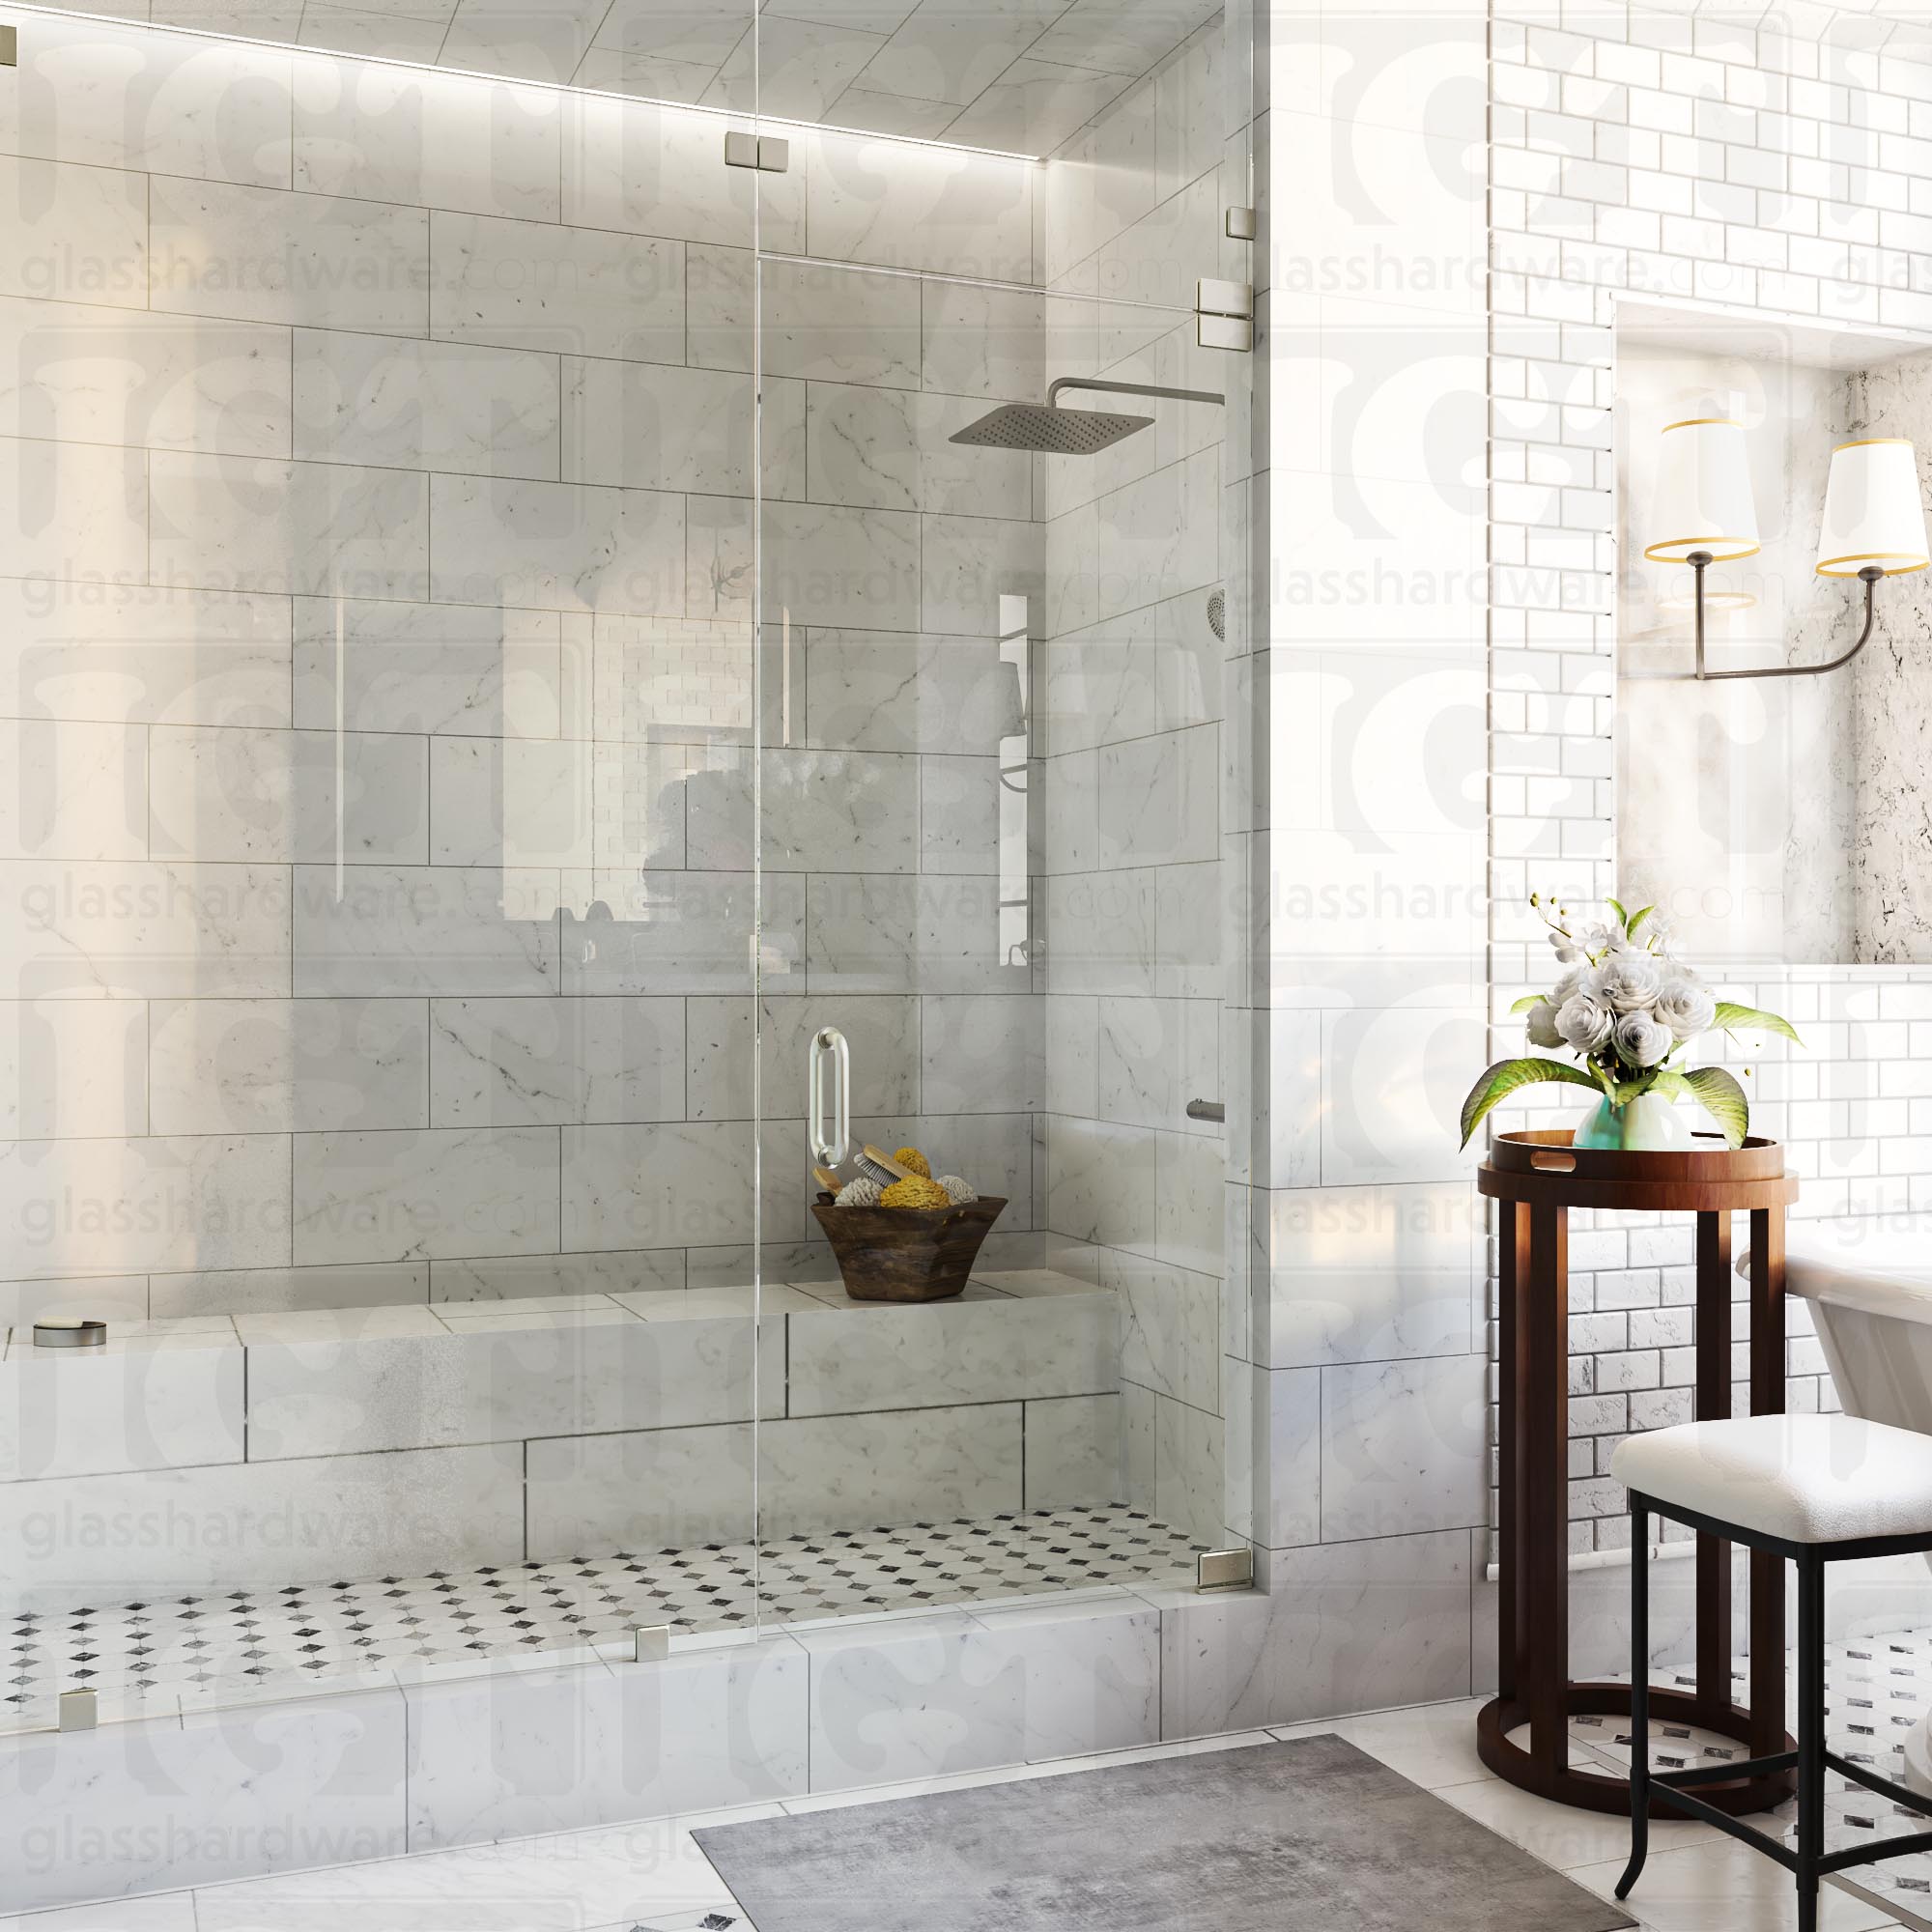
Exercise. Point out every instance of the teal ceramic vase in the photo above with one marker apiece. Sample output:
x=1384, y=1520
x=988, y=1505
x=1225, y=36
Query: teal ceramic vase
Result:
x=1649, y=1124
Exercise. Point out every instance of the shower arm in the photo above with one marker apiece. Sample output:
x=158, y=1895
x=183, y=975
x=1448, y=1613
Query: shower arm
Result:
x=1129, y=389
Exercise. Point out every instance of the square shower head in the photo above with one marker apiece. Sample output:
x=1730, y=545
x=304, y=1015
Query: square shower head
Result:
x=1056, y=432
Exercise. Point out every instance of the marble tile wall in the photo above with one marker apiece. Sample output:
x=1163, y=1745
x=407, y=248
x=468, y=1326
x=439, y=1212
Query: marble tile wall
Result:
x=378, y=454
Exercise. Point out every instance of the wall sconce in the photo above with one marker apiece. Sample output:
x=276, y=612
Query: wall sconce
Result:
x=1874, y=522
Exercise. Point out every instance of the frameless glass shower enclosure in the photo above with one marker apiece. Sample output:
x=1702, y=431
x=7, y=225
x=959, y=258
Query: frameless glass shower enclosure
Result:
x=523, y=599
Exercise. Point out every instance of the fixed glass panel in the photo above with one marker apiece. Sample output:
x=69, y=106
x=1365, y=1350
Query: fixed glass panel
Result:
x=379, y=452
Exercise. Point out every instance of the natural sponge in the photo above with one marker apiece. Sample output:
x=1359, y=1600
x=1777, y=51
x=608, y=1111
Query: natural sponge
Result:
x=914, y=1192
x=959, y=1192
x=912, y=1157
x=859, y=1193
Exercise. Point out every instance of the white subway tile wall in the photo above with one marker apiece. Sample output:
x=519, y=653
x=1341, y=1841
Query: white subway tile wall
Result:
x=1782, y=170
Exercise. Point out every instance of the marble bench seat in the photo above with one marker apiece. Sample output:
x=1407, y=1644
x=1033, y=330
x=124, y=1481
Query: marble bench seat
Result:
x=293, y=1446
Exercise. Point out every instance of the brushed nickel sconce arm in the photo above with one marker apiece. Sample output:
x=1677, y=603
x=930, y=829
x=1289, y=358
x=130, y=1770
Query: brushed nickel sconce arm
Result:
x=1700, y=561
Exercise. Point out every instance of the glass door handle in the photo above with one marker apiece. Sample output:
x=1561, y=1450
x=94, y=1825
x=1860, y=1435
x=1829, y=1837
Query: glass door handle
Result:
x=828, y=1150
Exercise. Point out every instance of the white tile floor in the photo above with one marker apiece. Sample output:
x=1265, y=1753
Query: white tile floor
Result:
x=652, y=1877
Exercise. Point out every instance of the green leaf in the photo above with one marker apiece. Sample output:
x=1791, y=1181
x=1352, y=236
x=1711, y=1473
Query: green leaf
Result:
x=1527, y=1002
x=1732, y=1018
x=1722, y=1098
x=1639, y=918
x=1498, y=1082
x=1620, y=912
x=1667, y=1081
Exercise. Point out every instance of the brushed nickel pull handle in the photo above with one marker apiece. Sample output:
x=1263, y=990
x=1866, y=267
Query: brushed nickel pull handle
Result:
x=829, y=1153
x=1206, y=1110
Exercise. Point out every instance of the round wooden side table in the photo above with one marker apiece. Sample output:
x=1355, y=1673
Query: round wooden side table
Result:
x=1538, y=1177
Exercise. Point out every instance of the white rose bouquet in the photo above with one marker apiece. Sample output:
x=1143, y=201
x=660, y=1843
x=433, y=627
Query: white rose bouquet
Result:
x=1626, y=1007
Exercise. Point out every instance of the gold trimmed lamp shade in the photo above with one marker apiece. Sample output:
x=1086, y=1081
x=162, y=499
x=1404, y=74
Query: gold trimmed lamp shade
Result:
x=1874, y=516
x=1703, y=499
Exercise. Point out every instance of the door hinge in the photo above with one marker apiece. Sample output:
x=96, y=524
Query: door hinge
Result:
x=1224, y=1570
x=766, y=152
x=10, y=46
x=1240, y=224
x=1225, y=312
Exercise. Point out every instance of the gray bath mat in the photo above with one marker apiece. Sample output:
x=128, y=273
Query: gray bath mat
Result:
x=1308, y=1836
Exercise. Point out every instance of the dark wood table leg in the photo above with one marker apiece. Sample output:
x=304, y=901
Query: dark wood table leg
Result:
x=1767, y=1398
x=1545, y=1498
x=1514, y=1279
x=1714, y=1404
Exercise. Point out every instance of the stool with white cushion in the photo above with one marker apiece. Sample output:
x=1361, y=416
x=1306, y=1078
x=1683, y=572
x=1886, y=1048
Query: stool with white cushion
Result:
x=1816, y=1489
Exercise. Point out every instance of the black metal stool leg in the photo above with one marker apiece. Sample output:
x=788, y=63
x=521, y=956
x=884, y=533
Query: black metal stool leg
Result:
x=1639, y=1777
x=1811, y=1734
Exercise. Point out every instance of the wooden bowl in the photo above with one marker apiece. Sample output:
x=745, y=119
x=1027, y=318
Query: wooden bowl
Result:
x=907, y=1253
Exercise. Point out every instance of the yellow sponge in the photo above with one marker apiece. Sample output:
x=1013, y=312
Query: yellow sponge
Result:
x=914, y=1192
x=912, y=1157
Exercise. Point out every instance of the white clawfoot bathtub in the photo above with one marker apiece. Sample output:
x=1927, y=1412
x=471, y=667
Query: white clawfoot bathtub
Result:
x=1870, y=1296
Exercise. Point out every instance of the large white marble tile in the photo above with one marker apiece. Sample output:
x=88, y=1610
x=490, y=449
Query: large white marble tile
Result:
x=675, y=1183
x=240, y=795
x=702, y=1728
x=72, y=510
x=882, y=1033
x=460, y=1284
x=1170, y=1327
x=556, y=546
x=126, y=1205
x=881, y=691
x=221, y=1067
x=406, y=1195
x=662, y=1487
x=680, y=932
x=76, y=791
x=347, y=1326
x=231, y=523
x=257, y=254
x=1099, y=1182
x=1155, y=1057
x=163, y=1408
x=1100, y=932
x=981, y=1055
x=1348, y=1627
x=1155, y=800
x=72, y=1069
x=1073, y=1452
x=443, y=406
x=464, y=670
x=157, y=1911
x=435, y=929
x=1088, y=1673
x=523, y=802
x=878, y=933
x=655, y=426
x=115, y=1539
x=825, y=564
x=942, y=210
x=113, y=97
x=382, y=134
x=984, y=342
x=944, y=1352
x=85, y=373
x=1172, y=1462
x=501, y=1385
x=328, y=1773
x=962, y=805
x=72, y=233
x=969, y=564
x=823, y=812
x=514, y=1062
x=1366, y=1274
x=651, y=170
x=822, y=322
x=241, y=1291
x=1403, y=1447
x=1282, y=1444
x=578, y=290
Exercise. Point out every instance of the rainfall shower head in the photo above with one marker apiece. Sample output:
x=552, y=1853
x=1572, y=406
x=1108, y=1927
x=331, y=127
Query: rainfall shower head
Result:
x=1050, y=430
x=1037, y=426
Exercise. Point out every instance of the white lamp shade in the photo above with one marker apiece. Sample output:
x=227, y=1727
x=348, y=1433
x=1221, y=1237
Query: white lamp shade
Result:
x=1703, y=497
x=1873, y=512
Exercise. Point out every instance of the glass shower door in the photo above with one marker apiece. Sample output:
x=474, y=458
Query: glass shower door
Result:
x=989, y=844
